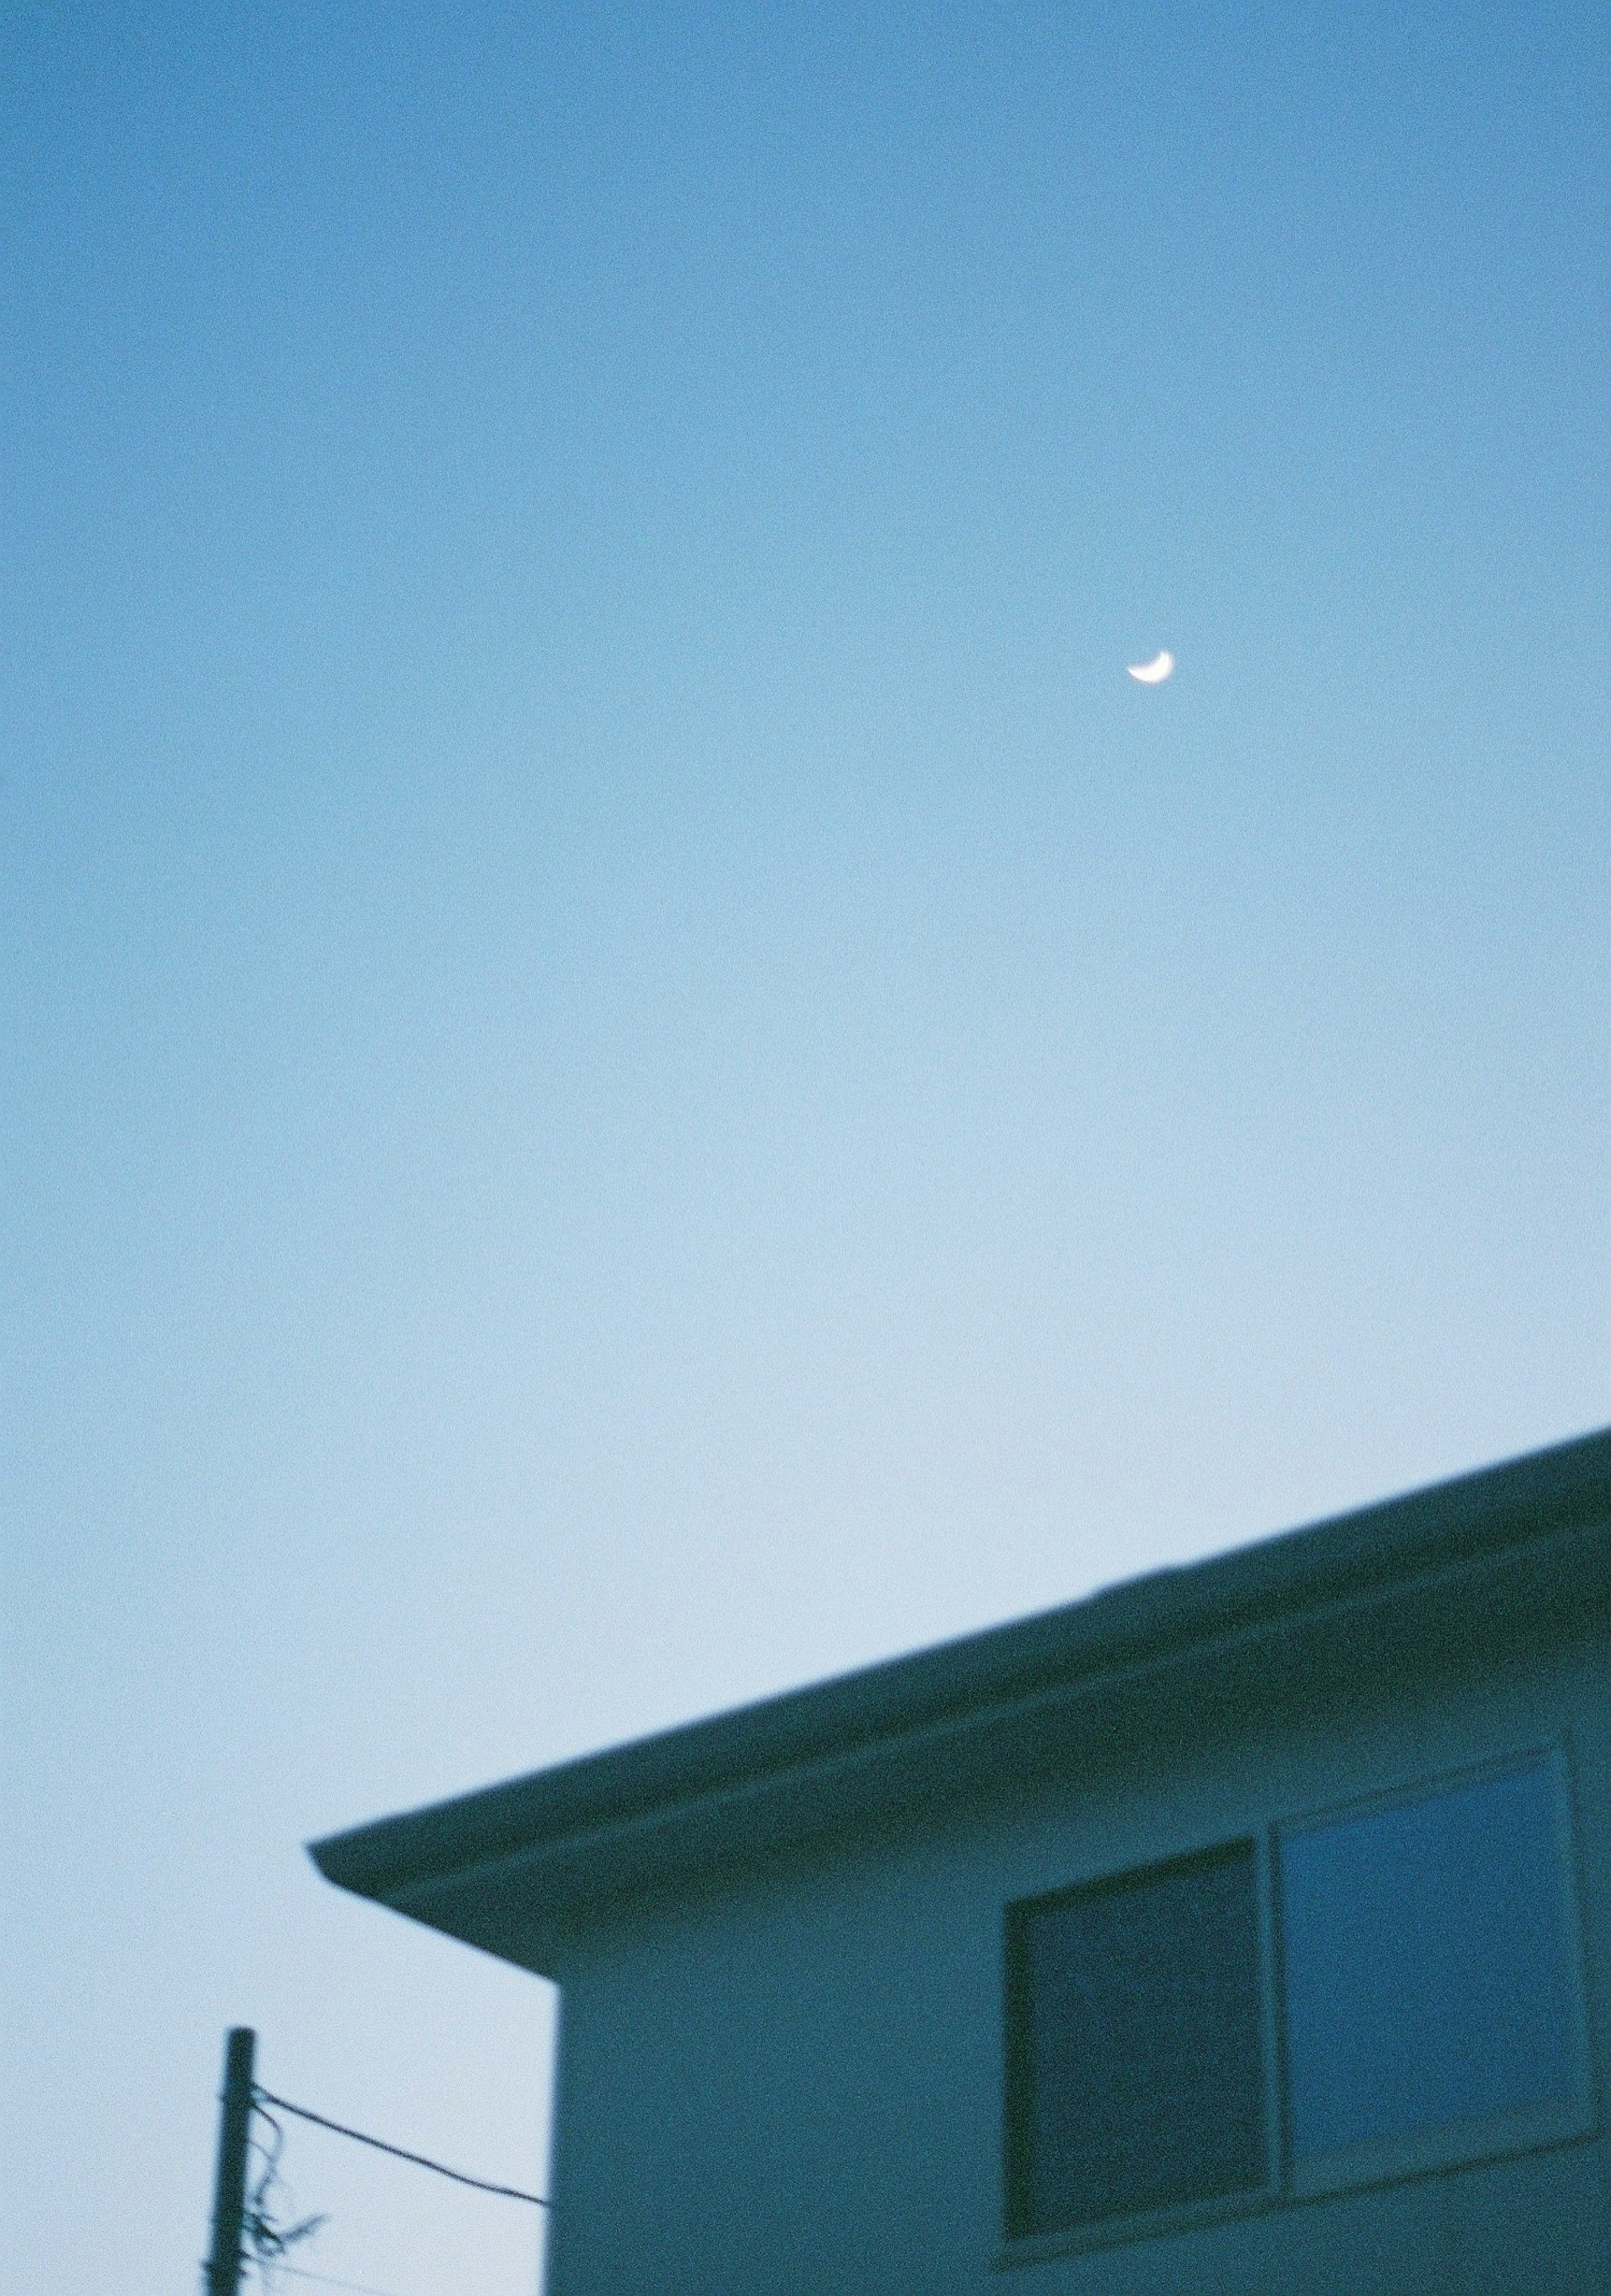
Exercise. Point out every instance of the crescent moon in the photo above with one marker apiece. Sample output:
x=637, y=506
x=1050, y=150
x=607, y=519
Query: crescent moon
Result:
x=1153, y=672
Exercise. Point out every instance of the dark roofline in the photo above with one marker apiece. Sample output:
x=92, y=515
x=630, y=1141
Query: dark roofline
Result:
x=1368, y=1551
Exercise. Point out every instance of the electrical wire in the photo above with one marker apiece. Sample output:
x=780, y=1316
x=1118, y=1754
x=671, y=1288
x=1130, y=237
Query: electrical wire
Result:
x=269, y=2241
x=421, y=2160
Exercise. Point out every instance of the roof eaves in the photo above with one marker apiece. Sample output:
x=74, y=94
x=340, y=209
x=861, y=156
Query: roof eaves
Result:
x=1368, y=1548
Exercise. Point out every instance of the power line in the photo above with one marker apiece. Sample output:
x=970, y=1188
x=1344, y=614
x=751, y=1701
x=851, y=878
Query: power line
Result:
x=419, y=2160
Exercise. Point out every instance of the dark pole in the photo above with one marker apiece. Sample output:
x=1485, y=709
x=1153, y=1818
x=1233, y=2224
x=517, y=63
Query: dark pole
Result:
x=229, y=2184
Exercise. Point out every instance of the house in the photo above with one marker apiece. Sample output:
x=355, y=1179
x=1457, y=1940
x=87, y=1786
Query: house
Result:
x=1244, y=1928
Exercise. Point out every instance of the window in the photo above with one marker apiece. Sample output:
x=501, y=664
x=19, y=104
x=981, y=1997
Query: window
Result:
x=1427, y=1966
x=1136, y=2043
x=1373, y=1993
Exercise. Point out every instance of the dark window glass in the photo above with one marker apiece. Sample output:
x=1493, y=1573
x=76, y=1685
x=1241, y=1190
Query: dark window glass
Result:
x=1135, y=2076
x=1426, y=1964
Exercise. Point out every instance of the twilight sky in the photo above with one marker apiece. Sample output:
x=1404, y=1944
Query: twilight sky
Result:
x=632, y=1069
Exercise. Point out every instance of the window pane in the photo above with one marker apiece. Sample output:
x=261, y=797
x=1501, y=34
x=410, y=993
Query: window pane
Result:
x=1427, y=1974
x=1137, y=2077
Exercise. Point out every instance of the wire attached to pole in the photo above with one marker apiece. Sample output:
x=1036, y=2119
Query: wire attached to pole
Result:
x=418, y=2159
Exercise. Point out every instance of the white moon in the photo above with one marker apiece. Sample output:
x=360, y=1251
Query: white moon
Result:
x=1153, y=672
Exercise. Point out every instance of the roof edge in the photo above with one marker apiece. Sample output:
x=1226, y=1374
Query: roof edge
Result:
x=1370, y=1547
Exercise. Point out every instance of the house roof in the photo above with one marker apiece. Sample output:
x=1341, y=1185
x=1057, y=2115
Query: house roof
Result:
x=518, y=1867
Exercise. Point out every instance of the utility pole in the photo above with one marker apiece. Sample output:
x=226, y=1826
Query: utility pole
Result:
x=229, y=2183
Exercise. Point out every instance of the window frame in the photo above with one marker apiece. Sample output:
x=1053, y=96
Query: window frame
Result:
x=1289, y=2180
x=1426, y=2151
x=1100, y=2232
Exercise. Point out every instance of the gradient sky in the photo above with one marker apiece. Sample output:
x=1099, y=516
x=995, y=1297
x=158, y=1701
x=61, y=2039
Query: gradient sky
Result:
x=633, y=1072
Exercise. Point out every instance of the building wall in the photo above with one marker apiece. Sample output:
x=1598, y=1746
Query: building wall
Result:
x=794, y=2081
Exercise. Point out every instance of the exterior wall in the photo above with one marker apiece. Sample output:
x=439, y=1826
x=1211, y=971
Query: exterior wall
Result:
x=792, y=2081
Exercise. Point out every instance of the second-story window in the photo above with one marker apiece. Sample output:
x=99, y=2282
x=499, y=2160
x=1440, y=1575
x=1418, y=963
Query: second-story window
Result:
x=1374, y=1992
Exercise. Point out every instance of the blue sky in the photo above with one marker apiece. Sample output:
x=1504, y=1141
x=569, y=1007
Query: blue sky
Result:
x=632, y=1069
